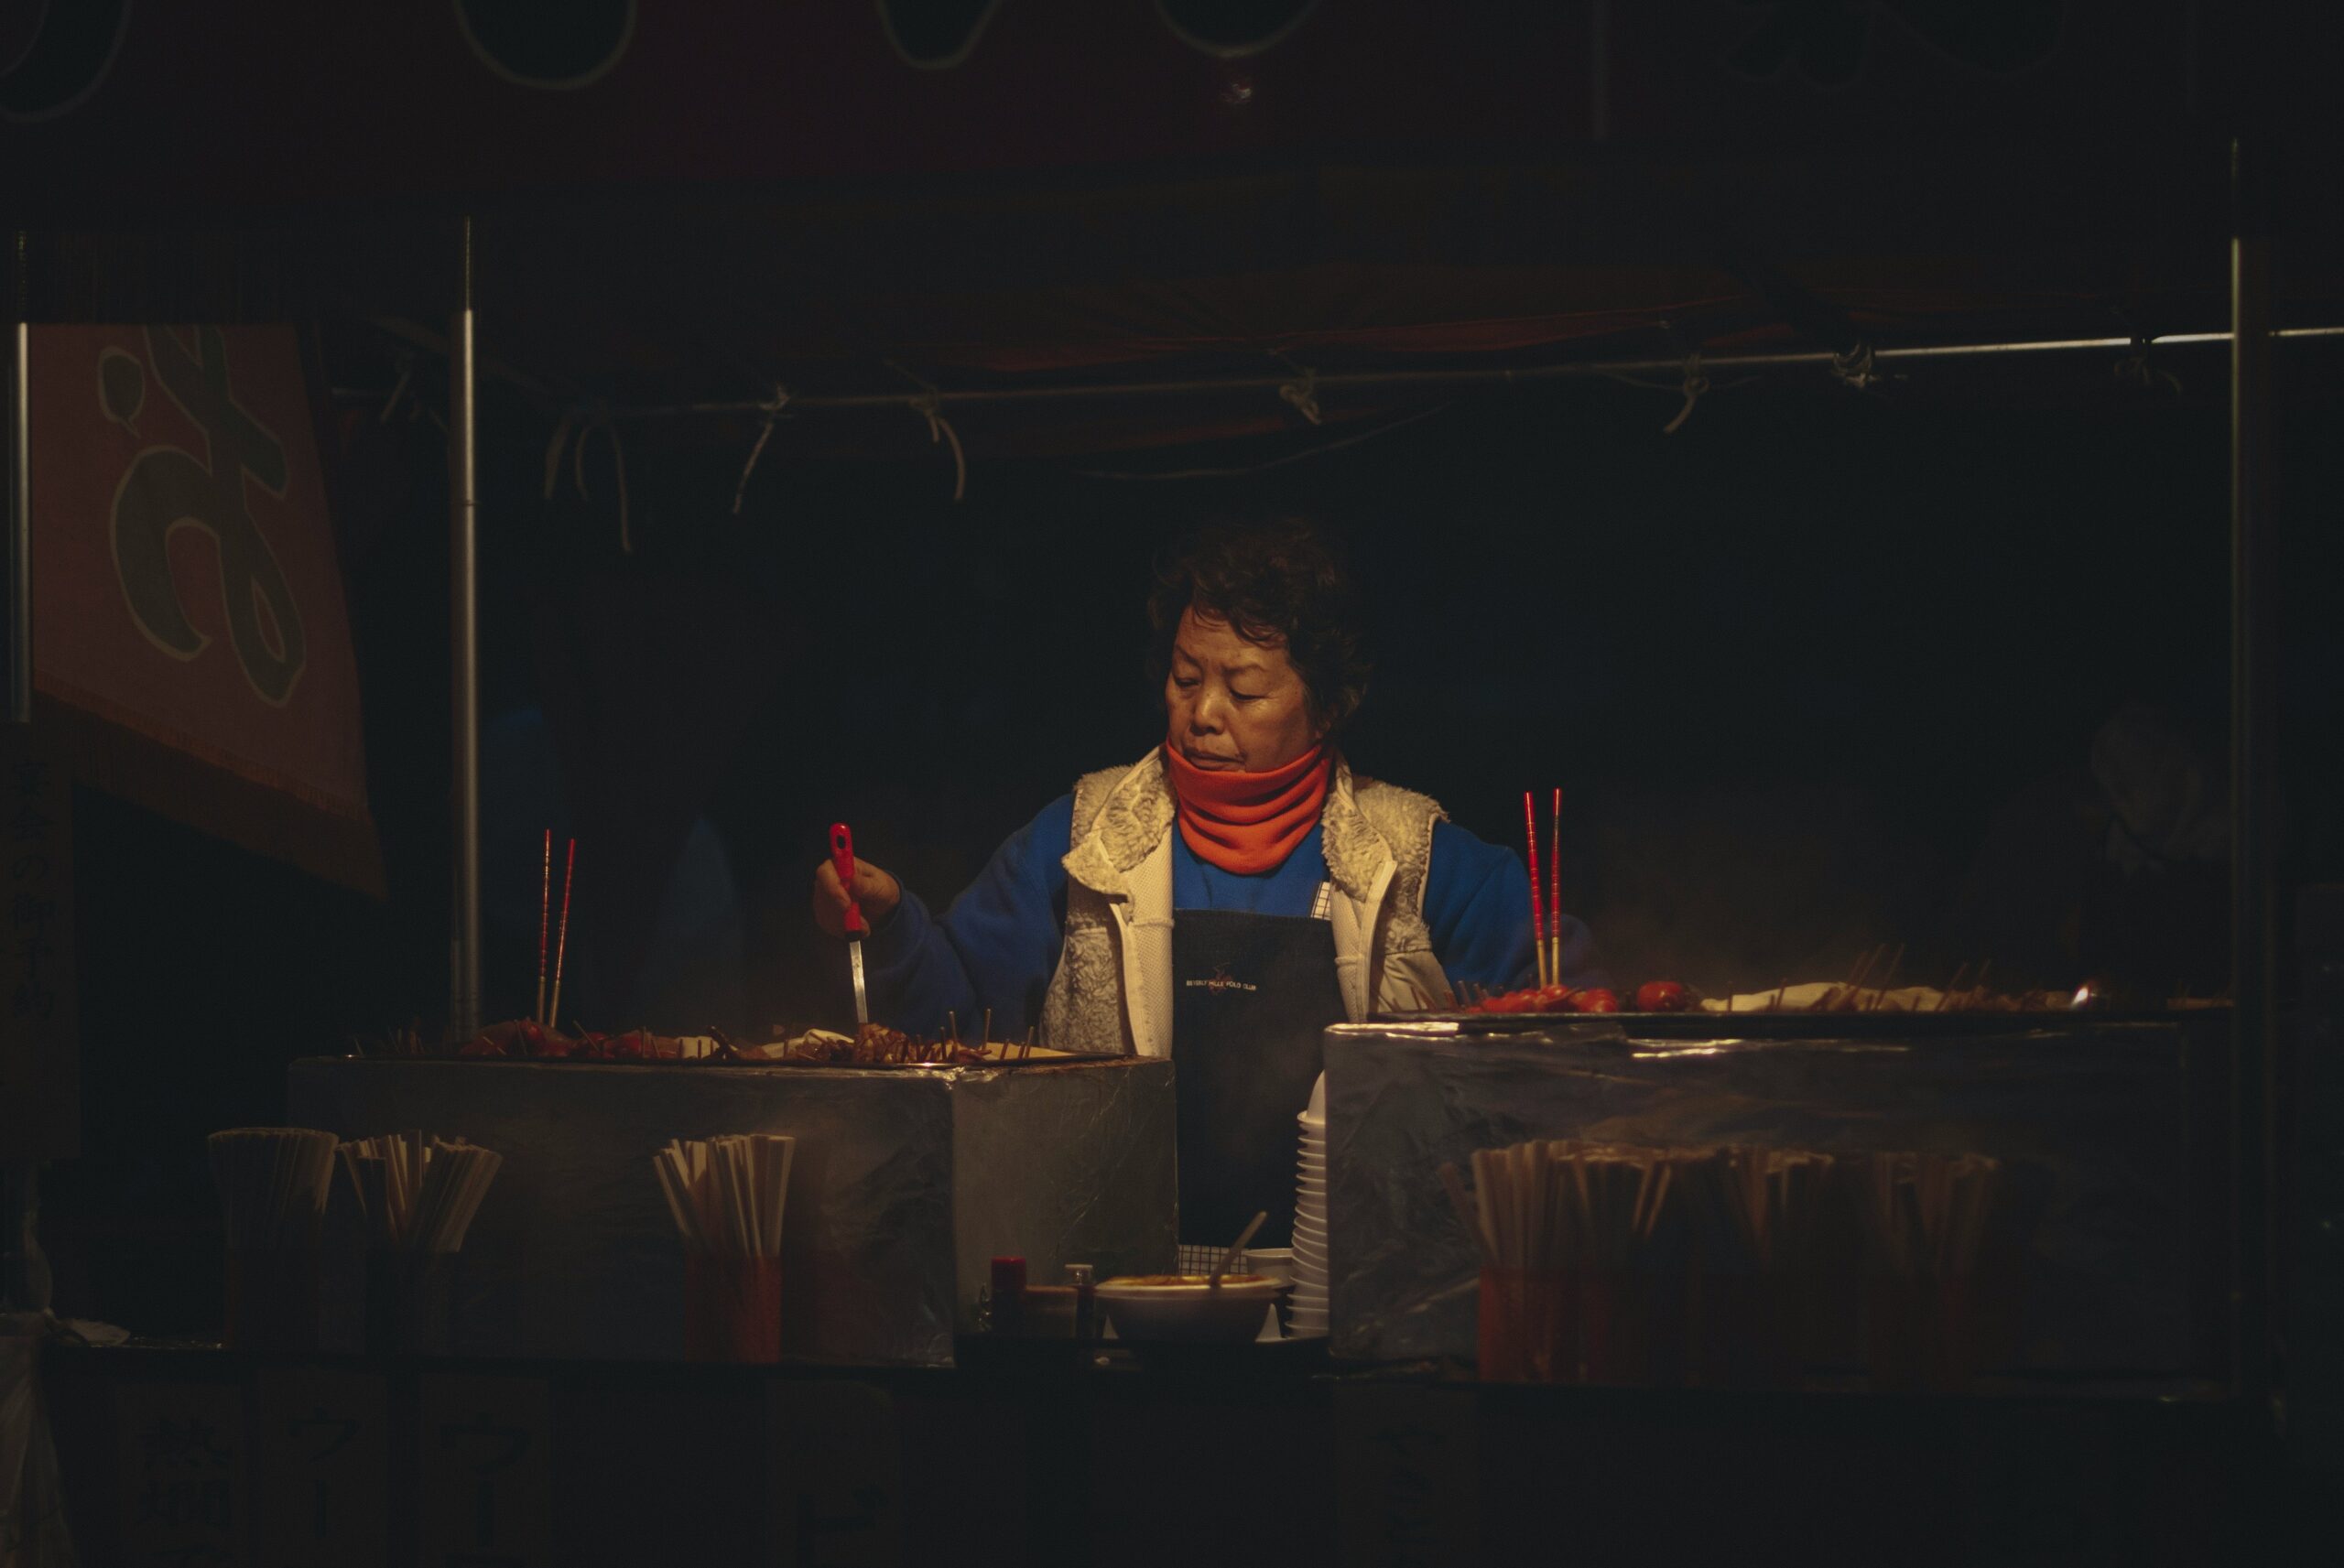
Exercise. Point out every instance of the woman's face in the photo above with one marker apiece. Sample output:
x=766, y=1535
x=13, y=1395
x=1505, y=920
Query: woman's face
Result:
x=1234, y=706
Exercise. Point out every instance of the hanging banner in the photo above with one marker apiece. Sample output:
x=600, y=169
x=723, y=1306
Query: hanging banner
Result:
x=189, y=638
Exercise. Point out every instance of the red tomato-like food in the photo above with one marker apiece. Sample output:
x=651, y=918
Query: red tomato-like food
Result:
x=1595, y=1000
x=1663, y=996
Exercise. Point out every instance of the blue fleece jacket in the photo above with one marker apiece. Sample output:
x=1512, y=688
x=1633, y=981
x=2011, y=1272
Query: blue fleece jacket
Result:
x=997, y=946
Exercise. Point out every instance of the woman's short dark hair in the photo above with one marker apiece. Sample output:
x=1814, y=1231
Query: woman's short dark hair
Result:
x=1276, y=584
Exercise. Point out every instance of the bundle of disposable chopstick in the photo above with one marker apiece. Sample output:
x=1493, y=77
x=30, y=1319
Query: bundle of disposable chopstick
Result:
x=726, y=1193
x=1770, y=1199
x=419, y=1194
x=1562, y=1203
x=272, y=1183
x=1925, y=1215
x=1552, y=1204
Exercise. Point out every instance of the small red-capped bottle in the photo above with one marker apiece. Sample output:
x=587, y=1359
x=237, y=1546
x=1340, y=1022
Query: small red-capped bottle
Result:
x=1008, y=1296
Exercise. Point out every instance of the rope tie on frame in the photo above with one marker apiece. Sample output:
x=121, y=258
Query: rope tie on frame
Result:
x=1694, y=386
x=2135, y=367
x=773, y=409
x=1855, y=366
x=1303, y=393
x=929, y=405
x=590, y=422
x=406, y=362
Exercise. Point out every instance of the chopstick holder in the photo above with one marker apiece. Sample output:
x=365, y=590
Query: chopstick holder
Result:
x=727, y=1195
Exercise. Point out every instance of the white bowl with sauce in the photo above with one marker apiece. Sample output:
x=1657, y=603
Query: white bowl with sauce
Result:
x=1185, y=1308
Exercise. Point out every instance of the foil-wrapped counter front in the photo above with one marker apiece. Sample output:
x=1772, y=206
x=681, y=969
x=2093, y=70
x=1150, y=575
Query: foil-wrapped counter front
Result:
x=906, y=1182
x=2092, y=1121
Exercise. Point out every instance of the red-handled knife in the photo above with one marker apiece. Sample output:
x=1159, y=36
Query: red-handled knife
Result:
x=842, y=860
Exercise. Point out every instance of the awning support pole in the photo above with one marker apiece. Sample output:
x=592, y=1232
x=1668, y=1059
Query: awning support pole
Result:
x=463, y=650
x=20, y=492
x=2253, y=759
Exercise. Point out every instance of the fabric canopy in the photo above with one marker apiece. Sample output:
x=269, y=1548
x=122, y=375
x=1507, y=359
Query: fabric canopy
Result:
x=204, y=110
x=677, y=206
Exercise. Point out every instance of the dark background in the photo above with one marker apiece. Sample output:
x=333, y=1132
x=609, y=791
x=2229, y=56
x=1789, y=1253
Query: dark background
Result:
x=1790, y=663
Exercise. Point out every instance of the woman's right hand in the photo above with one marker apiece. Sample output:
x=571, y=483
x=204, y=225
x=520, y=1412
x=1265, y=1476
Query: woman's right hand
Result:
x=875, y=889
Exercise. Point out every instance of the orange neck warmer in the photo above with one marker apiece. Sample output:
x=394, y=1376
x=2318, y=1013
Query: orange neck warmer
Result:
x=1249, y=823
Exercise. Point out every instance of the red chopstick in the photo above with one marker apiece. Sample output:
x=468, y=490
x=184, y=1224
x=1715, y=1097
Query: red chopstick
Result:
x=1555, y=894
x=561, y=940
x=1537, y=907
x=545, y=919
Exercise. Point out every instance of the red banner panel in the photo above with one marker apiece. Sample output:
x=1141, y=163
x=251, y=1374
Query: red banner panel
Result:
x=188, y=628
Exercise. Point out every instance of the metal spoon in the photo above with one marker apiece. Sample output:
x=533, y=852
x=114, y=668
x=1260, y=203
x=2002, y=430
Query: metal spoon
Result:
x=1213, y=1281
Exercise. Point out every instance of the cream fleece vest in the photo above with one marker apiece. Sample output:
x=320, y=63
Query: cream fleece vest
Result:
x=1112, y=990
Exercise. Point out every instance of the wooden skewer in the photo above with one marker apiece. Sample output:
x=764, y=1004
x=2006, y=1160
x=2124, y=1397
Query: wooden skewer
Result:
x=1880, y=992
x=562, y=942
x=1839, y=995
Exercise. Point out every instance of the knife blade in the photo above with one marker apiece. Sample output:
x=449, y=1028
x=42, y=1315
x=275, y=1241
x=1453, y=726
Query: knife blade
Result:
x=842, y=860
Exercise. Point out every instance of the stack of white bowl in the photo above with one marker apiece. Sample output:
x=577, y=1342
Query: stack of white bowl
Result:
x=1309, y=1301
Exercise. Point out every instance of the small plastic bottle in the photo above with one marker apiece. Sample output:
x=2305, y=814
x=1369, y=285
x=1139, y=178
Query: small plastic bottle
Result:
x=1086, y=1302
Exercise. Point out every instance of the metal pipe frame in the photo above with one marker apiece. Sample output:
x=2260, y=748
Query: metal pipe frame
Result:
x=2253, y=799
x=463, y=651
x=1569, y=370
x=20, y=494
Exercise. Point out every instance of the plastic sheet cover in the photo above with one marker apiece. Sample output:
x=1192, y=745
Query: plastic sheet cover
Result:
x=2091, y=1120
x=905, y=1183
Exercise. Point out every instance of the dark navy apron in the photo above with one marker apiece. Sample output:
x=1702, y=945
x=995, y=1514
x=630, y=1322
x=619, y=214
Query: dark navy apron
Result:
x=1252, y=993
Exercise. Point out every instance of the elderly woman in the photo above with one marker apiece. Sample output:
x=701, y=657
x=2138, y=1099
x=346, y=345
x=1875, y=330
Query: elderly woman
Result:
x=1228, y=895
